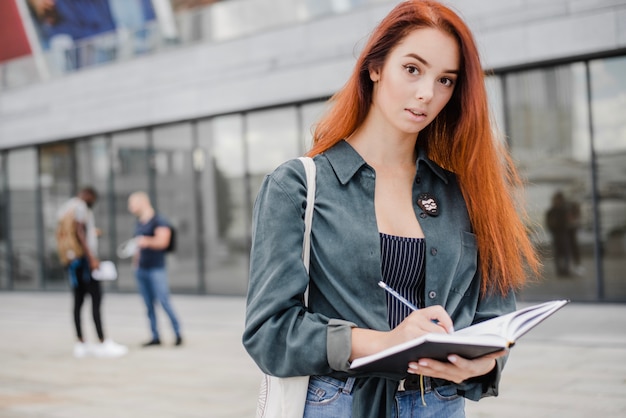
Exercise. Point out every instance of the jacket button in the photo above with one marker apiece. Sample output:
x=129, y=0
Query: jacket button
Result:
x=418, y=180
x=433, y=251
x=423, y=215
x=432, y=294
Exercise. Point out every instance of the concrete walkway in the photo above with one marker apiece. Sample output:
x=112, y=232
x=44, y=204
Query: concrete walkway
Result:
x=573, y=365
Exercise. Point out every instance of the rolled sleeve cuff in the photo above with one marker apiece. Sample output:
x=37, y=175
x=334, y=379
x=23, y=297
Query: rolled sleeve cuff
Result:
x=339, y=344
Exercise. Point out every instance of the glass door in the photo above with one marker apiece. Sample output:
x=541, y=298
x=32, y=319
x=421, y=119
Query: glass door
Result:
x=56, y=174
x=22, y=218
x=93, y=168
x=130, y=170
x=547, y=123
x=220, y=163
x=174, y=197
x=608, y=101
x=4, y=233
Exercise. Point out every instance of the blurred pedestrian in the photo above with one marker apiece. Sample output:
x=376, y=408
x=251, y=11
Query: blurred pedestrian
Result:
x=563, y=221
x=558, y=222
x=153, y=235
x=573, y=224
x=77, y=244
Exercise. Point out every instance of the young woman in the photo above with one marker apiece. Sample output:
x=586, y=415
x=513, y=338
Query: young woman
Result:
x=412, y=187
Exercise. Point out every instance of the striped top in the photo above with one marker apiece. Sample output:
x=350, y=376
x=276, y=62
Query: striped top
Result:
x=403, y=269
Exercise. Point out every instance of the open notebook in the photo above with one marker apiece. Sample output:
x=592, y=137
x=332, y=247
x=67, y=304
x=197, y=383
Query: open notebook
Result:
x=471, y=342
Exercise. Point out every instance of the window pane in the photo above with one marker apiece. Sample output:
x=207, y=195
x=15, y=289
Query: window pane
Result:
x=493, y=85
x=56, y=180
x=310, y=114
x=176, y=200
x=549, y=139
x=272, y=138
x=130, y=168
x=225, y=211
x=608, y=83
x=22, y=177
x=4, y=256
x=94, y=169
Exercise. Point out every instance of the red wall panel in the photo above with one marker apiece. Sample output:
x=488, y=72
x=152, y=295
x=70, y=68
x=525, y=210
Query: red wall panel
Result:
x=13, y=39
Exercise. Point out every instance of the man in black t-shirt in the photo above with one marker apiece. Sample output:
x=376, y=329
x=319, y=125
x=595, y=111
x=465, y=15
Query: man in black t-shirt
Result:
x=152, y=235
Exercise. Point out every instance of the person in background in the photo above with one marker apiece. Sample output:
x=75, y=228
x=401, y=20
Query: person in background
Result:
x=76, y=217
x=557, y=220
x=563, y=221
x=413, y=188
x=152, y=234
x=573, y=224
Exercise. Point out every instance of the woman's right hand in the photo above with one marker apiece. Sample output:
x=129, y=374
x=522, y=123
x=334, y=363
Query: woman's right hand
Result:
x=433, y=319
x=418, y=323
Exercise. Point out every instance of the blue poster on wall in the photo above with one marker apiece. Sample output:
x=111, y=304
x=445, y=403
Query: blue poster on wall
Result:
x=64, y=25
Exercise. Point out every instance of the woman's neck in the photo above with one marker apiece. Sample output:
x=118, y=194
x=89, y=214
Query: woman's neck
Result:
x=384, y=149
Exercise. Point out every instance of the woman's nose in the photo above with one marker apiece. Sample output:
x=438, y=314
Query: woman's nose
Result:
x=424, y=90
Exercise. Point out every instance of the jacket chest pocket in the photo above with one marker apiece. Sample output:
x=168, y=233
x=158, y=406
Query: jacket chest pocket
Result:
x=467, y=264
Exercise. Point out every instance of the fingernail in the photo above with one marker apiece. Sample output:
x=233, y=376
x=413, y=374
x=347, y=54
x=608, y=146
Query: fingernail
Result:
x=452, y=359
x=413, y=366
x=423, y=363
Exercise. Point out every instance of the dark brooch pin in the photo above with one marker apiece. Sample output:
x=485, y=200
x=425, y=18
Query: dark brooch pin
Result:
x=428, y=203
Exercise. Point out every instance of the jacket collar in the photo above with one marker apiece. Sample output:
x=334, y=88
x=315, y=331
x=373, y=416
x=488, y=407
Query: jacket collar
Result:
x=421, y=157
x=346, y=162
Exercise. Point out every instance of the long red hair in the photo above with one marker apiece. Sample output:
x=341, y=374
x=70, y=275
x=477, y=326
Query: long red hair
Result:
x=460, y=139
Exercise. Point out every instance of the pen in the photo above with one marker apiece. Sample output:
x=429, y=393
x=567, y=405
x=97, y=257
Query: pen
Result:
x=397, y=295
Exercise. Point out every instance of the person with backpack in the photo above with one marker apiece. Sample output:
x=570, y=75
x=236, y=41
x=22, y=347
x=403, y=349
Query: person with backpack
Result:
x=154, y=236
x=77, y=246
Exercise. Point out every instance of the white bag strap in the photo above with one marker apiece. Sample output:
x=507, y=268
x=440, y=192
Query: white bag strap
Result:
x=286, y=396
x=310, y=169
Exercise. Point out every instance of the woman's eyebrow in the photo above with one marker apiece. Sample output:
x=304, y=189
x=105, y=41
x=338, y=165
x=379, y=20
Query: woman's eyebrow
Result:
x=426, y=63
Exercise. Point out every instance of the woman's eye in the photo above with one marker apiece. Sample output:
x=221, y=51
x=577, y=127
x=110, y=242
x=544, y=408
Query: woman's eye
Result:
x=448, y=82
x=411, y=69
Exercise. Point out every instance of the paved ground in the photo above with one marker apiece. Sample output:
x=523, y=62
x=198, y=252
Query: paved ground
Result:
x=573, y=365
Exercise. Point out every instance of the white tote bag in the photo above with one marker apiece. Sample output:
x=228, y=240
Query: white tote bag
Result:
x=285, y=397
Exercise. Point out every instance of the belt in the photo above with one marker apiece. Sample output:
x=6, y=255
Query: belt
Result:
x=412, y=382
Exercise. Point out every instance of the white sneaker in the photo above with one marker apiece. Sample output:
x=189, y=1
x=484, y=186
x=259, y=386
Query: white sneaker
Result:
x=81, y=350
x=110, y=348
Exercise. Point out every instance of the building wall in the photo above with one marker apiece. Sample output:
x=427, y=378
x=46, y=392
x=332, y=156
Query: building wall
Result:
x=287, y=64
x=198, y=127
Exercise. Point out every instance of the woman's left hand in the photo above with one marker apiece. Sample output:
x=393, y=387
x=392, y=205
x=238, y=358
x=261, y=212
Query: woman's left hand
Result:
x=458, y=369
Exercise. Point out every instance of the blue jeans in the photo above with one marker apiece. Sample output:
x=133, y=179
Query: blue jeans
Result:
x=154, y=286
x=332, y=398
x=440, y=402
x=328, y=398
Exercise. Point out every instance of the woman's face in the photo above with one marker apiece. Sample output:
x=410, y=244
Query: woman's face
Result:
x=416, y=81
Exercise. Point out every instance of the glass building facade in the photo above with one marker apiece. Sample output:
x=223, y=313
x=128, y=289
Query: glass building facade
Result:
x=201, y=174
x=564, y=124
x=567, y=132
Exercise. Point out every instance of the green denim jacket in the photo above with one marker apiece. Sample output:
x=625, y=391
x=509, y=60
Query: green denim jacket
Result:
x=285, y=338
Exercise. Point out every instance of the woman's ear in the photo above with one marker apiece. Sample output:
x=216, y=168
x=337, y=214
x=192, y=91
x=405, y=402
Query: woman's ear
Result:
x=374, y=75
